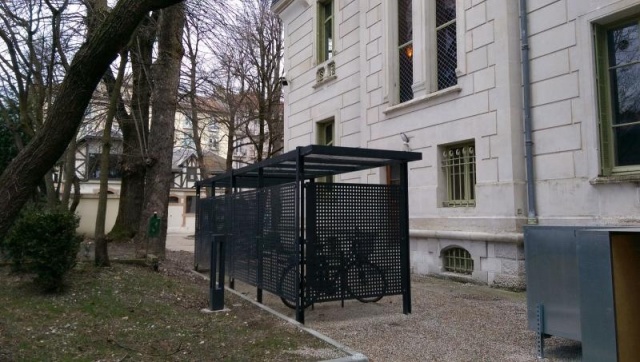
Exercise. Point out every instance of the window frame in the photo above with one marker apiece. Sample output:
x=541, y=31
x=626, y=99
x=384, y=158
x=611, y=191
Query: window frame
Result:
x=604, y=92
x=190, y=204
x=321, y=128
x=393, y=174
x=192, y=174
x=322, y=46
x=93, y=166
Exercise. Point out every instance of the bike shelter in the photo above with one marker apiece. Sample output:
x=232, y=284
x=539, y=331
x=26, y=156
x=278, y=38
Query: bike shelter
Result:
x=278, y=226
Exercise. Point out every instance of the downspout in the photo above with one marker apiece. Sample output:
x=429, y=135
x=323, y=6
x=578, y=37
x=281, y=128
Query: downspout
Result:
x=532, y=217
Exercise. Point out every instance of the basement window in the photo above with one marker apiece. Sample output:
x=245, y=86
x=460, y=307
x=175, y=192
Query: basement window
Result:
x=457, y=260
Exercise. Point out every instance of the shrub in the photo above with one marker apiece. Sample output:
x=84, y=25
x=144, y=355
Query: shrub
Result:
x=44, y=243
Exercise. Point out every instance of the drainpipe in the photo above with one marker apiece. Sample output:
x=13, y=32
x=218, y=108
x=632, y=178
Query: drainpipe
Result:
x=532, y=217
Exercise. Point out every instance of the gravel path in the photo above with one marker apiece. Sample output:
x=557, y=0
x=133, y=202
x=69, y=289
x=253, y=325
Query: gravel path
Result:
x=450, y=321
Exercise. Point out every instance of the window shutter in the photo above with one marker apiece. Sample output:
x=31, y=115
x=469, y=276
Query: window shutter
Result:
x=604, y=100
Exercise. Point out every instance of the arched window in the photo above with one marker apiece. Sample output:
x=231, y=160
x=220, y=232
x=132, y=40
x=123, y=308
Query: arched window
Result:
x=174, y=200
x=457, y=260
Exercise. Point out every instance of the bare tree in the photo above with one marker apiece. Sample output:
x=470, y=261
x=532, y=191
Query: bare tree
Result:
x=36, y=54
x=135, y=131
x=246, y=83
x=166, y=77
x=260, y=33
x=66, y=111
x=195, y=73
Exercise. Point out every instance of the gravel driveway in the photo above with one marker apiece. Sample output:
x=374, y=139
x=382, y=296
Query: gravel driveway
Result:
x=450, y=321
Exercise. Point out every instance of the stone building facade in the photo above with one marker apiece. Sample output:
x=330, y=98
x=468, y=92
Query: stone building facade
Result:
x=446, y=78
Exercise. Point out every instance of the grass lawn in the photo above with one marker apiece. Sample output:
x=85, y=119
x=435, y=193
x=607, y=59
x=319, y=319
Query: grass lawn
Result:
x=128, y=312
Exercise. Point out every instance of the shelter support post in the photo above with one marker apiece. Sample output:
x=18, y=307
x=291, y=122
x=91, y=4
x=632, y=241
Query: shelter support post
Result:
x=216, y=280
x=299, y=214
x=198, y=234
x=405, y=262
x=260, y=235
x=229, y=223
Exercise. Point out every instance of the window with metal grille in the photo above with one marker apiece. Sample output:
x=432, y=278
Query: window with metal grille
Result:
x=446, y=43
x=405, y=51
x=618, y=61
x=457, y=260
x=459, y=168
x=325, y=30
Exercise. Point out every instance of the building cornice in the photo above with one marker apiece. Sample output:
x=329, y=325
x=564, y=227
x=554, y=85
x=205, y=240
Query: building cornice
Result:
x=279, y=6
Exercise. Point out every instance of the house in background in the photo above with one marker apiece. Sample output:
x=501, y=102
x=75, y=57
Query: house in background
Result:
x=450, y=79
x=185, y=170
x=88, y=154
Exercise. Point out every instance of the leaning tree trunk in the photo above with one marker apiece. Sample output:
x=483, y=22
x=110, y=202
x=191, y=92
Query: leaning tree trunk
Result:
x=166, y=78
x=65, y=115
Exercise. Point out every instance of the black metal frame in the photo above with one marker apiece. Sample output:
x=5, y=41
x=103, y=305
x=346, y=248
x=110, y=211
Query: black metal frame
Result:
x=299, y=168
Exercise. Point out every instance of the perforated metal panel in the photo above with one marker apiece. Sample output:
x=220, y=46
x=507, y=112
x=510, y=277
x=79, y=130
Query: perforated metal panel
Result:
x=353, y=241
x=243, y=246
x=210, y=221
x=205, y=228
x=279, y=244
x=262, y=242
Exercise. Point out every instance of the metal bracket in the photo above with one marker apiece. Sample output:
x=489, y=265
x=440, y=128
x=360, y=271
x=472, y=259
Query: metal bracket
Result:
x=540, y=336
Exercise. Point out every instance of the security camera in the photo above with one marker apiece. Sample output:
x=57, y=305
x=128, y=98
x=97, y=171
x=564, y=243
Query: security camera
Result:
x=283, y=81
x=405, y=141
x=404, y=137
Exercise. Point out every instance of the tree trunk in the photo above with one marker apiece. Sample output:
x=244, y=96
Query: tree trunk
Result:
x=50, y=189
x=63, y=119
x=166, y=78
x=101, y=256
x=76, y=194
x=135, y=133
x=69, y=173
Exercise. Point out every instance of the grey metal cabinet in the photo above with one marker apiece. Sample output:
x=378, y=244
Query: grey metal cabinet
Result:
x=583, y=283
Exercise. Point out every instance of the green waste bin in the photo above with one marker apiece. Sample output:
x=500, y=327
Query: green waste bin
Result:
x=154, y=226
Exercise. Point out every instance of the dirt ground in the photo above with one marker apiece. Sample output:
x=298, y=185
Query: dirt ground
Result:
x=131, y=312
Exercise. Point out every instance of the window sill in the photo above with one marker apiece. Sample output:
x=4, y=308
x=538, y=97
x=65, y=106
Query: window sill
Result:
x=423, y=99
x=448, y=206
x=616, y=179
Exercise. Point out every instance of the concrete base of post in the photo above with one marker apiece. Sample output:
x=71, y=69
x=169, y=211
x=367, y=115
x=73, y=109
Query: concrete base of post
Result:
x=209, y=311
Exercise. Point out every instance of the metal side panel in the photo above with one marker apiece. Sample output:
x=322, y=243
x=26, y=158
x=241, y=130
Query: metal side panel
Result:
x=553, y=279
x=597, y=310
